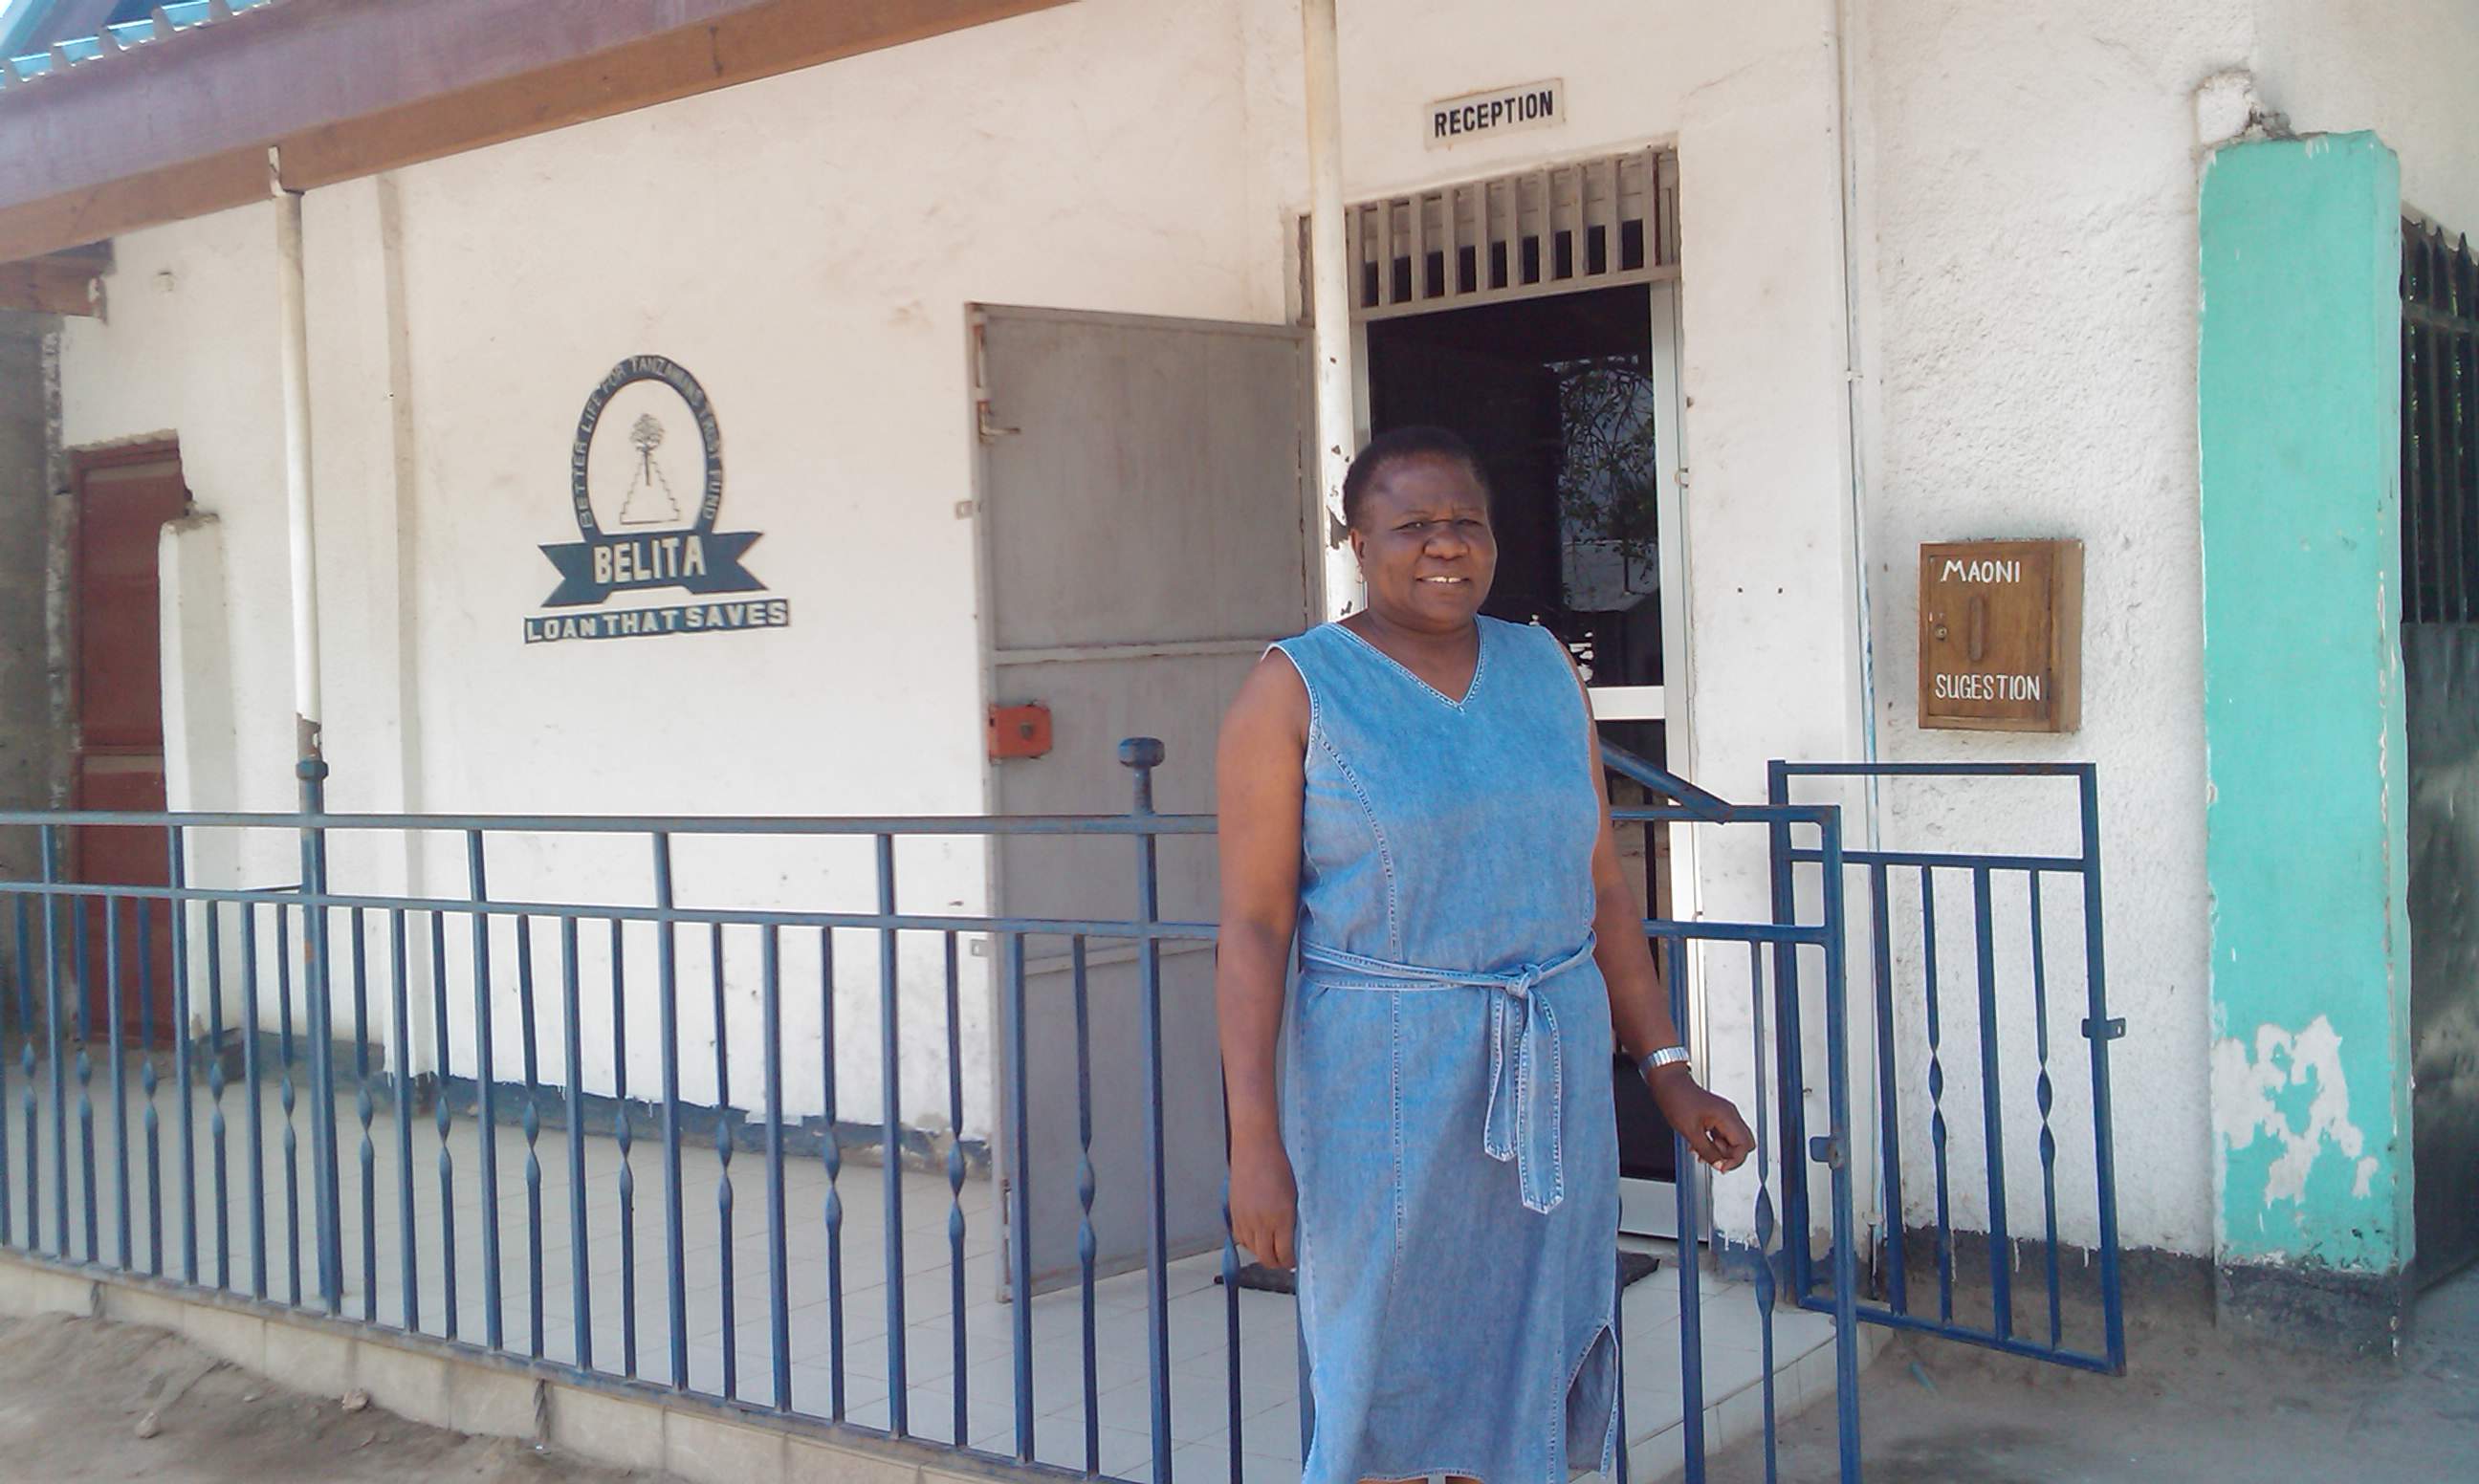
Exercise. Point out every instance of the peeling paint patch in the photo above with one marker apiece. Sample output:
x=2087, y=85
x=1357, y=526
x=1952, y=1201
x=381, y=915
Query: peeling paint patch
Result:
x=2291, y=1091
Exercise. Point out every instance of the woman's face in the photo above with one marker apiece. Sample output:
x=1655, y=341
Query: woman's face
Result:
x=1424, y=544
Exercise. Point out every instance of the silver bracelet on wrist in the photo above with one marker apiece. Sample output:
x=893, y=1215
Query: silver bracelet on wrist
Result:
x=1666, y=1055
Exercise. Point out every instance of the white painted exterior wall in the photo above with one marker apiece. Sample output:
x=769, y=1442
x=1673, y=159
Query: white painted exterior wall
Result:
x=2030, y=186
x=2400, y=68
x=807, y=245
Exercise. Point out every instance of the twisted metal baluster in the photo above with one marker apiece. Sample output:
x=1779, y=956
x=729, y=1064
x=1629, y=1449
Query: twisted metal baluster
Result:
x=216, y=1123
x=532, y=1124
x=401, y=1018
x=254, y=1111
x=572, y=1063
x=723, y=1183
x=2047, y=1094
x=1019, y=1218
x=778, y=1263
x=1936, y=1099
x=285, y=1098
x=147, y=1121
x=365, y=1107
x=899, y=1397
x=956, y=1186
x=622, y=1136
x=184, y=1073
x=292, y=1179
x=1992, y=1109
x=831, y=1151
x=118, y=1074
x=86, y=1153
x=440, y=1112
x=529, y=1121
x=54, y=1073
x=1890, y=1116
x=1087, y=1243
x=34, y=1152
x=486, y=1091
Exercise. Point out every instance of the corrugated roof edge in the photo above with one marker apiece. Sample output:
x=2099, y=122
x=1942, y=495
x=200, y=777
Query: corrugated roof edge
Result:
x=167, y=20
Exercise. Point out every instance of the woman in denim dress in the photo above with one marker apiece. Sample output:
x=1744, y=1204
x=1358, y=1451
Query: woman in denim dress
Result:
x=1415, y=794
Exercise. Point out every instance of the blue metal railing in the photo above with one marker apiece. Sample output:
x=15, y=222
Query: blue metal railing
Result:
x=1659, y=782
x=385, y=1020
x=1881, y=871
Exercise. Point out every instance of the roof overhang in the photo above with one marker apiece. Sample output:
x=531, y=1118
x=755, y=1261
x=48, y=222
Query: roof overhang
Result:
x=183, y=124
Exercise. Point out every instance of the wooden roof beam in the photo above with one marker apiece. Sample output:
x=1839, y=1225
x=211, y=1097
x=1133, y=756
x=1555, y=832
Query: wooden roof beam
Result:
x=69, y=282
x=344, y=88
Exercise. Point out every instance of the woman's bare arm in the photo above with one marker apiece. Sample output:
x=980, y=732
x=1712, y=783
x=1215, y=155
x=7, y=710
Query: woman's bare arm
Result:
x=1638, y=1006
x=1260, y=770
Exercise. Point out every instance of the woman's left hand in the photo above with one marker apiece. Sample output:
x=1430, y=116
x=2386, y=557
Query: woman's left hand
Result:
x=1712, y=1127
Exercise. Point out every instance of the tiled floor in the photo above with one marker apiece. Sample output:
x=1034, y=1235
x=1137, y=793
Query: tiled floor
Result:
x=626, y=1299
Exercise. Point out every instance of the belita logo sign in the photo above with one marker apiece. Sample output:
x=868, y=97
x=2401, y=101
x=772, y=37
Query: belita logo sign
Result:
x=627, y=468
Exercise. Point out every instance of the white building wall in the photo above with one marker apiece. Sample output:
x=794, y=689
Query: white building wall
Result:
x=2401, y=68
x=2028, y=189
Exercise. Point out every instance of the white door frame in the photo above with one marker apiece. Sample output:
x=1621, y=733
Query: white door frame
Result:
x=1646, y=1206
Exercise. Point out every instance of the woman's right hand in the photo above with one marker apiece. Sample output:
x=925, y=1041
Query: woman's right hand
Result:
x=1264, y=1201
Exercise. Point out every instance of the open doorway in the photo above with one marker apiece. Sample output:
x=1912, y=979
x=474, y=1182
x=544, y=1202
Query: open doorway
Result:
x=1567, y=398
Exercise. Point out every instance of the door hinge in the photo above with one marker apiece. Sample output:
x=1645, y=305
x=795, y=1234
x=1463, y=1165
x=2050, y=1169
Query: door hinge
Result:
x=984, y=425
x=2109, y=1030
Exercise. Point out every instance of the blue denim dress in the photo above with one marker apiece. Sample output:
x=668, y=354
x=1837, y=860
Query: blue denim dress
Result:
x=1447, y=1095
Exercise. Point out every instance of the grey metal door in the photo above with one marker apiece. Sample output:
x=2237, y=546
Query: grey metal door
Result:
x=1143, y=502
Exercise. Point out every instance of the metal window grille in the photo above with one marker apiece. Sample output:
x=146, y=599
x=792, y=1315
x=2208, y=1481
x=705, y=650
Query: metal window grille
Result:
x=2439, y=438
x=1589, y=224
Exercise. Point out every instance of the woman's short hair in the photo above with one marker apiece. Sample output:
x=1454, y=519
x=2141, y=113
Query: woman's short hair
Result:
x=1393, y=446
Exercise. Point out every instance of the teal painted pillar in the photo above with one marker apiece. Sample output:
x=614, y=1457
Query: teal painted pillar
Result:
x=2299, y=387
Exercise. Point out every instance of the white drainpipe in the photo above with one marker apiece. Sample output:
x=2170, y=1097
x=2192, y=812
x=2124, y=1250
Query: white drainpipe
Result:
x=301, y=524
x=311, y=769
x=1330, y=287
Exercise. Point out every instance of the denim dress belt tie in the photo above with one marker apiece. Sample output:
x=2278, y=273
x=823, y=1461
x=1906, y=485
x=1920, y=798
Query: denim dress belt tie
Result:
x=1525, y=1100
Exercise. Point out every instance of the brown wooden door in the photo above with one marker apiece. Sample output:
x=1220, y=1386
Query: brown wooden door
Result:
x=124, y=496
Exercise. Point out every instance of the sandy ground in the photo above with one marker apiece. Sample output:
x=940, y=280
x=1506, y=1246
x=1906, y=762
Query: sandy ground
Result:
x=2196, y=1406
x=74, y=1395
x=77, y=1396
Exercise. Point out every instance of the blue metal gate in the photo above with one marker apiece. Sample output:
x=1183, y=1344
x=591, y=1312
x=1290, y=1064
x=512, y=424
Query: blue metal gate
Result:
x=1986, y=1313
x=1774, y=1229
